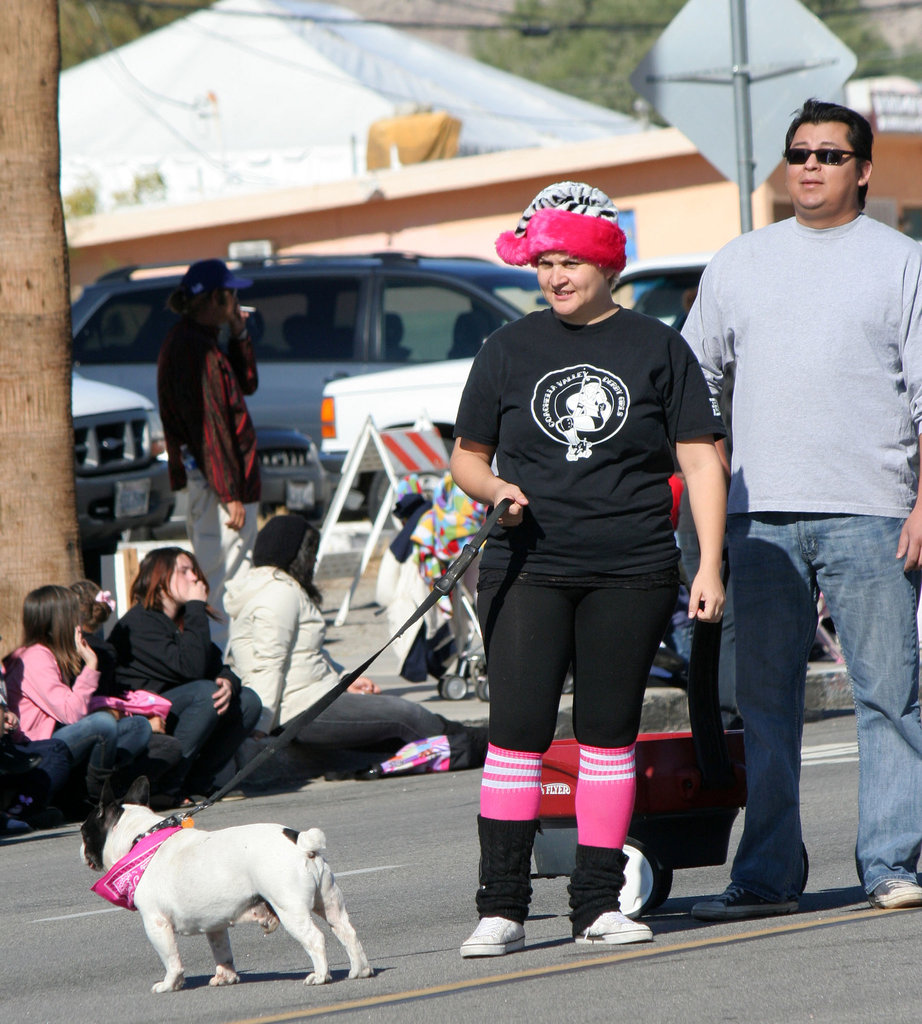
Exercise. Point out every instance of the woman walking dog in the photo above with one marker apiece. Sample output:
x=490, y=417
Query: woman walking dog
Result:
x=581, y=405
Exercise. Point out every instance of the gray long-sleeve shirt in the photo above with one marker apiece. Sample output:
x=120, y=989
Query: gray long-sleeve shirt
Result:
x=825, y=330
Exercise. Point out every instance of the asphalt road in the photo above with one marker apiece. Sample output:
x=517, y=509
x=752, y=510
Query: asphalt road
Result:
x=406, y=858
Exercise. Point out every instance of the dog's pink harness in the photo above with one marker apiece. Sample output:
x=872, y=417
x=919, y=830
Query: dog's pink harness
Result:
x=119, y=883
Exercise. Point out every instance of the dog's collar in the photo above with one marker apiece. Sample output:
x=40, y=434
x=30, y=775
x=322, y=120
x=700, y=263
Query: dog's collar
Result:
x=174, y=821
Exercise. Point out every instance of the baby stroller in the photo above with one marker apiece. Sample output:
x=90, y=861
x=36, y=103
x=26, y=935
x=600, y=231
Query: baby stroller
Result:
x=447, y=643
x=470, y=663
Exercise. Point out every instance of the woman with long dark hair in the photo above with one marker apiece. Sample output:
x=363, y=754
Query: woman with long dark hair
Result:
x=277, y=646
x=163, y=644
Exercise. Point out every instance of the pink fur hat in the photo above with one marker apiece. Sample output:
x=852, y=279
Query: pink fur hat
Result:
x=566, y=217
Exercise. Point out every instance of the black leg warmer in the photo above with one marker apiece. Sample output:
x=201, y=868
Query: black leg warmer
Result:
x=595, y=884
x=505, y=868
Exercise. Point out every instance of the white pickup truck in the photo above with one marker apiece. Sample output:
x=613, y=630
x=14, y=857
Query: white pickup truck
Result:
x=401, y=397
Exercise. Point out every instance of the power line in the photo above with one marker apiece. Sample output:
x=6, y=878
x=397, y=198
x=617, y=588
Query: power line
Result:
x=514, y=22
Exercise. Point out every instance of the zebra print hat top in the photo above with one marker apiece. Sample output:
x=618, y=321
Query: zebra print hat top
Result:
x=570, y=217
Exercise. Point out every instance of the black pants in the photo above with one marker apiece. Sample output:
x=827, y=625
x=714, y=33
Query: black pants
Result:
x=534, y=632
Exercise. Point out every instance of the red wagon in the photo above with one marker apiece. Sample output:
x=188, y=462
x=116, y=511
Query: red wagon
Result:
x=690, y=788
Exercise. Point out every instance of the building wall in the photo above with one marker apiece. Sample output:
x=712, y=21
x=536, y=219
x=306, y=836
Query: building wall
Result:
x=680, y=203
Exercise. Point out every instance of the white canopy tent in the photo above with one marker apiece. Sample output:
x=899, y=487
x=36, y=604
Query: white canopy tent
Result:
x=252, y=95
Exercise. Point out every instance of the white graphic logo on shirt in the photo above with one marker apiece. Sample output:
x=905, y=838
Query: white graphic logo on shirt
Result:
x=580, y=406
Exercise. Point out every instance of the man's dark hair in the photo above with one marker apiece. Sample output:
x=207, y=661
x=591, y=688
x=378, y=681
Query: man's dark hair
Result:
x=860, y=136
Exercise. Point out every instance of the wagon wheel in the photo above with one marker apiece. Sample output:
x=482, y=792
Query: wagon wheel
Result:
x=647, y=881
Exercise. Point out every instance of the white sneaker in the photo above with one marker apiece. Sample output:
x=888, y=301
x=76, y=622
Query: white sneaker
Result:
x=494, y=936
x=895, y=893
x=614, y=929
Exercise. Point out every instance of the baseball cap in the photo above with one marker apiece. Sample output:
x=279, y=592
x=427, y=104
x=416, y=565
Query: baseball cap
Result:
x=207, y=275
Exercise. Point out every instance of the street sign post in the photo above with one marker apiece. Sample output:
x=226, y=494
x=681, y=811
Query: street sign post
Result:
x=749, y=64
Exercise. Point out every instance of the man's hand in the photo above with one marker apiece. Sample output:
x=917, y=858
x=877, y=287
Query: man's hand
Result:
x=910, y=545
x=222, y=695
x=236, y=515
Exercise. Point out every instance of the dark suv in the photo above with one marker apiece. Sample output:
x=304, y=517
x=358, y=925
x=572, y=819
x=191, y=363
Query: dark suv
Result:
x=317, y=318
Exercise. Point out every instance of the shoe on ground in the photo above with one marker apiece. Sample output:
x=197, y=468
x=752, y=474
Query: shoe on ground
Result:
x=895, y=893
x=614, y=929
x=13, y=826
x=165, y=801
x=736, y=903
x=194, y=799
x=494, y=936
x=47, y=817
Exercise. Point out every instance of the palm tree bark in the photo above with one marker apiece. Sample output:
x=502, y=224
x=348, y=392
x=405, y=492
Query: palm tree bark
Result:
x=39, y=541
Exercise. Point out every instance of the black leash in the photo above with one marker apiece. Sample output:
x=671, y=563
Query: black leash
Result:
x=441, y=588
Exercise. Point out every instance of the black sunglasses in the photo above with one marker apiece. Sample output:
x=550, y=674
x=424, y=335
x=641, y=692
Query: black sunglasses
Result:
x=833, y=157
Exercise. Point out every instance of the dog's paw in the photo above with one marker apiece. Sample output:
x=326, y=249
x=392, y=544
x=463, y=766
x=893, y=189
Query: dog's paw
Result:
x=224, y=976
x=362, y=972
x=169, y=984
x=318, y=979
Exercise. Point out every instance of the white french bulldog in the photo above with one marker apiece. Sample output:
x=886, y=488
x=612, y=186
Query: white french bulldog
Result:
x=199, y=881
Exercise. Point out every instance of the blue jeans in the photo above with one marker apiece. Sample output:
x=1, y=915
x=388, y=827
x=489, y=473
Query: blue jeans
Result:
x=208, y=740
x=39, y=786
x=780, y=562
x=103, y=741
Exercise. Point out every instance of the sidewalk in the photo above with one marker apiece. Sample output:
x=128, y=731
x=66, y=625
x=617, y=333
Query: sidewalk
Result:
x=365, y=630
x=665, y=708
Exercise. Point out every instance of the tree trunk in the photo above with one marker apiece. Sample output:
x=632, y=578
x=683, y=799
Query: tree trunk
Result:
x=39, y=541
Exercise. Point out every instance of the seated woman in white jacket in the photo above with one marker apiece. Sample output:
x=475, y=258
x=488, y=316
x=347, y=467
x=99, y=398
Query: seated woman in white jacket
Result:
x=276, y=647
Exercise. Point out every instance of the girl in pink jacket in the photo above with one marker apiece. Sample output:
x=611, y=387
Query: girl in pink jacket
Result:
x=51, y=679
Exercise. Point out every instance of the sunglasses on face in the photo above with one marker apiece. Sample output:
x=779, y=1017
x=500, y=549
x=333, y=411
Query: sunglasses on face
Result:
x=833, y=157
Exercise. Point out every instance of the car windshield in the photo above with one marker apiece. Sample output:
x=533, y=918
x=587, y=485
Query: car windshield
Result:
x=666, y=296
x=517, y=287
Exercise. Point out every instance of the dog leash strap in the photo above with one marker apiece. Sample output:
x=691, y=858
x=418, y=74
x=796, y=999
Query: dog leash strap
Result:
x=442, y=587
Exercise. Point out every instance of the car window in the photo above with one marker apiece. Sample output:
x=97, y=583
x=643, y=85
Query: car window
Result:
x=423, y=322
x=127, y=328
x=299, y=319
x=668, y=297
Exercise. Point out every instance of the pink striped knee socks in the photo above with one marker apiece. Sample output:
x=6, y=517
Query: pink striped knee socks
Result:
x=511, y=786
x=605, y=795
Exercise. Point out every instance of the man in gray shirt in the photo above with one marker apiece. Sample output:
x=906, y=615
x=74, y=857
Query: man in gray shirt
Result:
x=821, y=318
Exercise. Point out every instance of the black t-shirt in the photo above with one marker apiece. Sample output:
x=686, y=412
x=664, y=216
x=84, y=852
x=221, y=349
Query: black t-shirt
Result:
x=583, y=420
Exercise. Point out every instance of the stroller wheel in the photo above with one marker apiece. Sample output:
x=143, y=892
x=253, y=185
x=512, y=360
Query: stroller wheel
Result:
x=452, y=687
x=482, y=688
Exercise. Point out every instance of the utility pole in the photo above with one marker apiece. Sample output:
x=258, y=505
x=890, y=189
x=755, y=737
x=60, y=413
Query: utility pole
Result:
x=742, y=110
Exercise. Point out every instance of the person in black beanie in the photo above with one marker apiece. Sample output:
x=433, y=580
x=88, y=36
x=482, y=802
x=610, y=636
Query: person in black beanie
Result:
x=277, y=649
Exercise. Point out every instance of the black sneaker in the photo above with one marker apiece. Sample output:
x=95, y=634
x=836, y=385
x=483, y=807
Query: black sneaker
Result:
x=736, y=903
x=47, y=817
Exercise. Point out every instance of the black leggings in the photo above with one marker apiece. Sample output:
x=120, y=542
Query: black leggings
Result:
x=533, y=633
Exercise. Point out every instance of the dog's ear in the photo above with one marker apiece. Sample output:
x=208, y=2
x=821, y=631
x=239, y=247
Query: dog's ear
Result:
x=107, y=796
x=139, y=792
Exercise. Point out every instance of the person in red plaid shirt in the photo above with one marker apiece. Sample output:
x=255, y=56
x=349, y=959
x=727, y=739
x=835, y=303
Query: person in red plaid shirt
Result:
x=210, y=438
